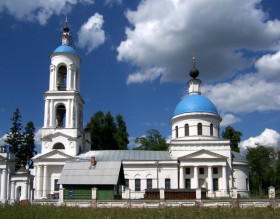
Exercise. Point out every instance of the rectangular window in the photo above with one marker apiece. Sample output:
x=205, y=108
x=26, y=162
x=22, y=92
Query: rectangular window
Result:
x=215, y=170
x=188, y=171
x=56, y=185
x=201, y=170
x=215, y=184
x=126, y=181
x=149, y=183
x=137, y=184
x=188, y=183
x=167, y=183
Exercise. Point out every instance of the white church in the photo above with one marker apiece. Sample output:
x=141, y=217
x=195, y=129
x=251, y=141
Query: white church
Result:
x=197, y=157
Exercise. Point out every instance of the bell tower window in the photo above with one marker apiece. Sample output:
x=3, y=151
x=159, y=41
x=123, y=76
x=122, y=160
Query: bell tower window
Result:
x=199, y=129
x=187, y=132
x=60, y=116
x=62, y=78
x=211, y=129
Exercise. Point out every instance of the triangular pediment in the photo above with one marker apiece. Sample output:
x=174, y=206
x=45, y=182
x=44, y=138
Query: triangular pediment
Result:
x=53, y=155
x=57, y=134
x=202, y=154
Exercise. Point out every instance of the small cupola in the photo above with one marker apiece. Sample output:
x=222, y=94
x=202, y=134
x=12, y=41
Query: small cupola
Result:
x=194, y=83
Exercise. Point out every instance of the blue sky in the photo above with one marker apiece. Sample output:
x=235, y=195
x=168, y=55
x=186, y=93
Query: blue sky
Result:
x=136, y=57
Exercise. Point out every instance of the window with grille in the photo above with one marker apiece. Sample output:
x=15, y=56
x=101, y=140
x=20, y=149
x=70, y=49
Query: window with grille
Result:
x=167, y=183
x=149, y=183
x=137, y=185
x=215, y=184
x=188, y=183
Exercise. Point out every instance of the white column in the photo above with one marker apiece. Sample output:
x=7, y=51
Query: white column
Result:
x=224, y=177
x=195, y=177
x=182, y=178
x=4, y=185
x=38, y=181
x=45, y=182
x=71, y=113
x=210, y=180
x=0, y=182
x=68, y=115
x=13, y=191
x=52, y=119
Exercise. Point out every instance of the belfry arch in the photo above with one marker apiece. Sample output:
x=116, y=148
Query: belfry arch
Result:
x=62, y=78
x=60, y=114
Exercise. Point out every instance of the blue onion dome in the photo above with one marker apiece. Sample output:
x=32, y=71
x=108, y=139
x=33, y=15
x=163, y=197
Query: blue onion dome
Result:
x=65, y=48
x=195, y=104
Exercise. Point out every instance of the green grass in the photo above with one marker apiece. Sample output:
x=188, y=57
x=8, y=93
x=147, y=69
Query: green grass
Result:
x=49, y=212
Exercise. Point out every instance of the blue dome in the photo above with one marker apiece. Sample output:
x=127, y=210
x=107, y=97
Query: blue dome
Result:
x=195, y=103
x=64, y=48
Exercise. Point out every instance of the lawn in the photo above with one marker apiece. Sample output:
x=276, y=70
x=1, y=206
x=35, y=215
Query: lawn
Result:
x=52, y=212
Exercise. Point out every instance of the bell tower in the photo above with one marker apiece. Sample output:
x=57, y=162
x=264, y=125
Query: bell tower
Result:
x=63, y=116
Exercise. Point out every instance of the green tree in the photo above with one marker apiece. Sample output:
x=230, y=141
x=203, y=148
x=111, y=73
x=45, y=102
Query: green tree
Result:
x=106, y=133
x=27, y=148
x=153, y=141
x=234, y=136
x=121, y=135
x=14, y=137
x=260, y=160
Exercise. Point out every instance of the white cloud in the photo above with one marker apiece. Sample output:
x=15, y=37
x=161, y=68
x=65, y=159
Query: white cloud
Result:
x=268, y=137
x=91, y=35
x=250, y=92
x=132, y=143
x=229, y=119
x=220, y=31
x=38, y=141
x=38, y=10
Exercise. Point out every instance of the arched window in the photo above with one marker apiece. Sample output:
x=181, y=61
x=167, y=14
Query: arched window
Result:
x=176, y=131
x=58, y=146
x=187, y=132
x=211, y=129
x=199, y=129
x=60, y=116
x=61, y=77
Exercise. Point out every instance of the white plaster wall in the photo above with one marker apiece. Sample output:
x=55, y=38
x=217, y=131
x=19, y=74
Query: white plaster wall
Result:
x=240, y=174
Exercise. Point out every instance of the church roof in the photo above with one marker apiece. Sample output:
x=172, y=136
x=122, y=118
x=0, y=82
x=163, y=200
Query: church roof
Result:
x=120, y=155
x=237, y=157
x=195, y=103
x=65, y=48
x=81, y=173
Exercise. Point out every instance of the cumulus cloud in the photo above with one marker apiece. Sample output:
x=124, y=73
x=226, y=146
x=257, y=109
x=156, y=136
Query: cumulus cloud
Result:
x=220, y=31
x=38, y=10
x=132, y=143
x=250, y=92
x=268, y=137
x=91, y=35
x=229, y=119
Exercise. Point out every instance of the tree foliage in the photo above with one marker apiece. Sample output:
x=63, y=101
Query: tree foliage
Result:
x=261, y=168
x=153, y=141
x=22, y=144
x=27, y=148
x=234, y=136
x=107, y=133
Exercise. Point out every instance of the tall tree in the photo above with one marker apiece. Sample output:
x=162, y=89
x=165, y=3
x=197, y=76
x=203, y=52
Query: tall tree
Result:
x=95, y=126
x=260, y=160
x=121, y=135
x=153, y=141
x=27, y=148
x=106, y=133
x=234, y=136
x=14, y=137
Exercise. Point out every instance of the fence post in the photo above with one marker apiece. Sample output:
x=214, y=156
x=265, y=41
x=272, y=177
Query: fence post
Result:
x=271, y=195
x=198, y=196
x=61, y=195
x=94, y=197
x=234, y=197
x=161, y=196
